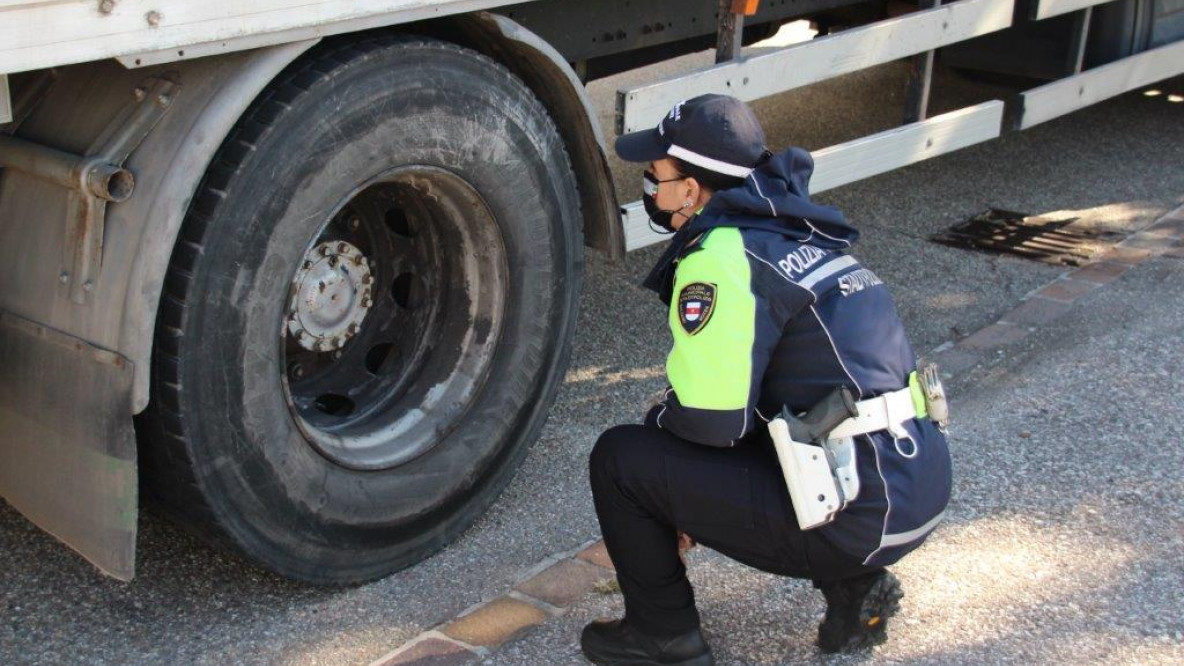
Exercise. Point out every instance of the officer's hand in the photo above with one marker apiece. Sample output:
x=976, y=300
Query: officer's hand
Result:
x=685, y=542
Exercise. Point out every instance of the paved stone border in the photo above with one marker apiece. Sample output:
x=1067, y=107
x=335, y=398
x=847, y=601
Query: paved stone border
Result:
x=544, y=592
x=548, y=589
x=1055, y=299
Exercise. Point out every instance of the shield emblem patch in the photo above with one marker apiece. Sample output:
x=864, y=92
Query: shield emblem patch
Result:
x=696, y=302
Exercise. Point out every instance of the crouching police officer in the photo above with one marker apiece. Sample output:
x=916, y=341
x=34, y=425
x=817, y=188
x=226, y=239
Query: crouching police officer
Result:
x=767, y=309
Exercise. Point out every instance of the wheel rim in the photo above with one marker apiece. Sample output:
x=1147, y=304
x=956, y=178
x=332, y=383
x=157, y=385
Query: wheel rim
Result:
x=392, y=319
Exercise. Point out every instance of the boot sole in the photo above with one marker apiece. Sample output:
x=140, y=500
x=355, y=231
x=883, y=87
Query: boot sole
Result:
x=701, y=660
x=882, y=602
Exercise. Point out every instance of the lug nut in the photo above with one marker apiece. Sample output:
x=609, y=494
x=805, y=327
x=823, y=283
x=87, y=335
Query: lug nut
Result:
x=342, y=248
x=333, y=261
x=296, y=371
x=325, y=251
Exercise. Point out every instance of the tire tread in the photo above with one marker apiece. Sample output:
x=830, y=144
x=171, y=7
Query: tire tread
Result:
x=166, y=449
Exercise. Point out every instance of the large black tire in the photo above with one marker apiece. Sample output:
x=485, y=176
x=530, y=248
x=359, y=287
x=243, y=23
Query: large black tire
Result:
x=223, y=449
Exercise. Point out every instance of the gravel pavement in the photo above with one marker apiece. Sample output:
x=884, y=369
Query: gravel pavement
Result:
x=1064, y=542
x=1065, y=545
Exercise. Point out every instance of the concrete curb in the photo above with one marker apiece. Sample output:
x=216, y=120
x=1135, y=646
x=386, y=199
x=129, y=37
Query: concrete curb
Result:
x=548, y=588
x=1047, y=304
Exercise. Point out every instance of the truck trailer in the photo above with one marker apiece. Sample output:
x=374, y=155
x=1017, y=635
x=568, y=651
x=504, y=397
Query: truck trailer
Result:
x=306, y=274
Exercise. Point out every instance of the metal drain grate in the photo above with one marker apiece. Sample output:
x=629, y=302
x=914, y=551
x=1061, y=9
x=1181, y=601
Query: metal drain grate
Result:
x=1039, y=238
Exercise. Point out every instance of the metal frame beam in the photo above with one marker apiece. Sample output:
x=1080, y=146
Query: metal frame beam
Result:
x=920, y=79
x=817, y=60
x=868, y=156
x=1080, y=39
x=5, y=101
x=730, y=32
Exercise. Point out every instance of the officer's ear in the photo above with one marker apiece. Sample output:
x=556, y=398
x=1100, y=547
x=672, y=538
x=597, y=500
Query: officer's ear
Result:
x=693, y=188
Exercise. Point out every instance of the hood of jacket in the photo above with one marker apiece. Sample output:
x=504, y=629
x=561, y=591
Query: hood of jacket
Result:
x=775, y=197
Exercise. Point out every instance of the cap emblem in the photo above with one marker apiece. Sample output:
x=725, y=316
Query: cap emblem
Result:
x=676, y=112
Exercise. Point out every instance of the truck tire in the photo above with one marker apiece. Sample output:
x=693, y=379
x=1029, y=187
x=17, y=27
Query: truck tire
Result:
x=368, y=311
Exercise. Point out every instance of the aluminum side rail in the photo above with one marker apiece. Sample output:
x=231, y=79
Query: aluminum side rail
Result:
x=823, y=58
x=1092, y=86
x=35, y=34
x=868, y=156
x=1049, y=8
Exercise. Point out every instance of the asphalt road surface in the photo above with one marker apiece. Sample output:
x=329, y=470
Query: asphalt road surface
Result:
x=1065, y=538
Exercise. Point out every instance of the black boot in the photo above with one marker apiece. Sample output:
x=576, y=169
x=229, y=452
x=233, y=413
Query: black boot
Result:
x=857, y=611
x=613, y=642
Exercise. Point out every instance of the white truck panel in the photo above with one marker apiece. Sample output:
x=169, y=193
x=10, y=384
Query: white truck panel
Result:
x=36, y=35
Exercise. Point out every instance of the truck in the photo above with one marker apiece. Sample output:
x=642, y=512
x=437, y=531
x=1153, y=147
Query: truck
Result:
x=306, y=274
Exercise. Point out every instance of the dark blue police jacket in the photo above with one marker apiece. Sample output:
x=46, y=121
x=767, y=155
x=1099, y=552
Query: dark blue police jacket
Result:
x=822, y=320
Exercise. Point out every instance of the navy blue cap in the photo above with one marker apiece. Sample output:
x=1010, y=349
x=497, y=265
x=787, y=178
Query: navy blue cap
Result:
x=716, y=132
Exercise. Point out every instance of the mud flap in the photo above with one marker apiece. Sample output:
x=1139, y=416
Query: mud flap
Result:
x=67, y=445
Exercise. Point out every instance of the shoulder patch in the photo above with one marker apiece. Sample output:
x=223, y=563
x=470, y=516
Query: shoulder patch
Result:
x=696, y=302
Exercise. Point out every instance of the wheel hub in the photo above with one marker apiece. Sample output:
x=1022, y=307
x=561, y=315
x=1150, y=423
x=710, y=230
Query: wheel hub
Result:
x=331, y=295
x=394, y=318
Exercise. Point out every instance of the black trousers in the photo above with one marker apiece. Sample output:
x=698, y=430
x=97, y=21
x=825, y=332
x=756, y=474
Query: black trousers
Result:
x=648, y=484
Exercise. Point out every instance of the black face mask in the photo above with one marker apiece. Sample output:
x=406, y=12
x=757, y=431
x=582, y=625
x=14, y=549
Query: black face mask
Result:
x=659, y=217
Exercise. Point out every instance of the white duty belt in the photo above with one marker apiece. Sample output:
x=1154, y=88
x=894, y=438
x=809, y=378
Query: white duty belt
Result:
x=883, y=412
x=821, y=474
x=924, y=397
